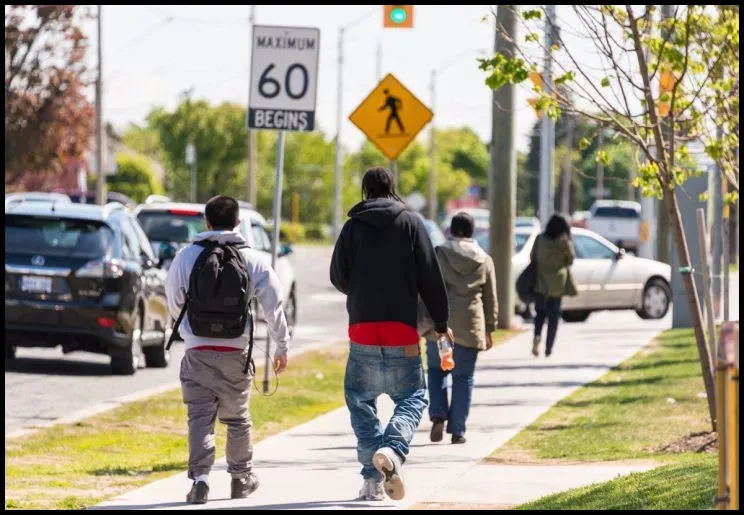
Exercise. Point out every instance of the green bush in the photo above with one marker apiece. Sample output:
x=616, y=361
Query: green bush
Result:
x=315, y=232
x=291, y=232
x=134, y=178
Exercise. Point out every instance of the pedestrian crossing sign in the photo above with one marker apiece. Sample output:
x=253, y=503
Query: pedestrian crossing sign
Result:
x=391, y=116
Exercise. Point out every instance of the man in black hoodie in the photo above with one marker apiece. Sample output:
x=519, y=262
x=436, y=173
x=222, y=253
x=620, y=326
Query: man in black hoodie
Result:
x=383, y=261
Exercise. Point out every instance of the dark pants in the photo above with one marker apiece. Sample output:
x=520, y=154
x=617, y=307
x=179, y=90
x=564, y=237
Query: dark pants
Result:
x=456, y=413
x=550, y=308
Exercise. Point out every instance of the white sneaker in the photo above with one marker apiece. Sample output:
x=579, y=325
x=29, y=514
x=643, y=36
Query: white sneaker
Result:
x=389, y=464
x=371, y=491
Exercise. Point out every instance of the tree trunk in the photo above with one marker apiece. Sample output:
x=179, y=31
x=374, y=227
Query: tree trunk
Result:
x=678, y=236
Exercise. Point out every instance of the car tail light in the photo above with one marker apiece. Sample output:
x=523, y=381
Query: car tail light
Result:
x=101, y=269
x=106, y=322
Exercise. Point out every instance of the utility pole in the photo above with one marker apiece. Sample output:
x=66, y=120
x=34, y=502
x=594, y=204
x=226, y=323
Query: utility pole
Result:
x=547, y=131
x=379, y=60
x=337, y=162
x=663, y=240
x=567, y=164
x=252, y=148
x=503, y=170
x=101, y=175
x=433, y=152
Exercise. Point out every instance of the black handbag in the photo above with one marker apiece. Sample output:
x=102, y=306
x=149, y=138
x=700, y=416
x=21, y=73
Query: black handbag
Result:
x=527, y=281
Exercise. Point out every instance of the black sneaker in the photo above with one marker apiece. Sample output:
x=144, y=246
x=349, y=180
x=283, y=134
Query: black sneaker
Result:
x=198, y=494
x=240, y=488
x=456, y=439
x=437, y=429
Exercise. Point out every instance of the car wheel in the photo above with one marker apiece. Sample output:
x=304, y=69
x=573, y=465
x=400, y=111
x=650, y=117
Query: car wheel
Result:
x=575, y=316
x=657, y=297
x=290, y=311
x=130, y=359
x=158, y=356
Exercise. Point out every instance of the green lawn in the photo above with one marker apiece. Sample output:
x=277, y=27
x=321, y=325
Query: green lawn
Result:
x=76, y=466
x=683, y=486
x=650, y=400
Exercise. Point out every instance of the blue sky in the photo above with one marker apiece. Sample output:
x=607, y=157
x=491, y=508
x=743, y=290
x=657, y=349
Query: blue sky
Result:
x=149, y=60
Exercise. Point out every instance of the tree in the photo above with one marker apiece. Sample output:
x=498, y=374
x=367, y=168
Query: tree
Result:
x=218, y=134
x=694, y=57
x=134, y=177
x=48, y=118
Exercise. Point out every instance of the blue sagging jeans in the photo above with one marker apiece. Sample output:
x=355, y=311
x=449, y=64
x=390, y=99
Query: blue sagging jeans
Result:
x=371, y=371
x=455, y=414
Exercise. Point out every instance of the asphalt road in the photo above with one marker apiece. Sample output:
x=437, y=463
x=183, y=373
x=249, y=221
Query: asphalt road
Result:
x=44, y=385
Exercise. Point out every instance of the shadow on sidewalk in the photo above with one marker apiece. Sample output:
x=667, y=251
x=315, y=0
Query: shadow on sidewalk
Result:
x=347, y=504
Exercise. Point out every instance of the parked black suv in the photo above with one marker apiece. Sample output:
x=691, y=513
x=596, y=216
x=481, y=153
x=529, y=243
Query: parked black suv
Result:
x=84, y=277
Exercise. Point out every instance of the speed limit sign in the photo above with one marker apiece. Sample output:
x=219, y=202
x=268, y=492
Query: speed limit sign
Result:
x=284, y=78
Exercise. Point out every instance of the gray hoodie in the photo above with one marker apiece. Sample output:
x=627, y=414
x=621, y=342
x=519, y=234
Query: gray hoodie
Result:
x=471, y=288
x=265, y=287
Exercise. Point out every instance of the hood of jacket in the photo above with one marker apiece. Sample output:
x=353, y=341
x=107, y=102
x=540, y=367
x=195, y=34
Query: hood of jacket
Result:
x=377, y=212
x=463, y=255
x=221, y=237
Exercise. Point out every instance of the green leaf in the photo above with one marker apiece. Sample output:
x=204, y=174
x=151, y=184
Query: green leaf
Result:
x=532, y=14
x=603, y=157
x=584, y=143
x=605, y=82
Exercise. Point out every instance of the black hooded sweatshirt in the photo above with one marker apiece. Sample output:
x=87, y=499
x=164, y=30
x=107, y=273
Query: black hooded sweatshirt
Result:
x=383, y=261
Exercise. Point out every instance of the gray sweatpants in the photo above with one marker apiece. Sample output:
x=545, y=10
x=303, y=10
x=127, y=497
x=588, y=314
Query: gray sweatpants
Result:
x=214, y=384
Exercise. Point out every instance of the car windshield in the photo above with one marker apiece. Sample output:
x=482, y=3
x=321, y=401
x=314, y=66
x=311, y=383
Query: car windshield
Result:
x=62, y=237
x=163, y=226
x=520, y=240
x=616, y=212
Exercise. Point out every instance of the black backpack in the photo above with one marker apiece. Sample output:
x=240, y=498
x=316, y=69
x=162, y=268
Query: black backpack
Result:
x=217, y=301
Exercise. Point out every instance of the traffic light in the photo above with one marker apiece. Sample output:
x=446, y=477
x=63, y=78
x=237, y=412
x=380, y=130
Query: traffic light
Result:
x=398, y=17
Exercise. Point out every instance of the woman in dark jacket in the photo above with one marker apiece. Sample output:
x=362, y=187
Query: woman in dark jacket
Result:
x=553, y=254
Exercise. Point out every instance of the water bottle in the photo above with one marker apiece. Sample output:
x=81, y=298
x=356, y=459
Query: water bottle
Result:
x=445, y=353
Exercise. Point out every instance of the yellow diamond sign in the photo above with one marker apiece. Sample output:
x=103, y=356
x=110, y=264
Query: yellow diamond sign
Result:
x=391, y=117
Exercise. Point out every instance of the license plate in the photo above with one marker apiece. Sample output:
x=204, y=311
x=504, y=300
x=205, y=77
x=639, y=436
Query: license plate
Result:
x=36, y=284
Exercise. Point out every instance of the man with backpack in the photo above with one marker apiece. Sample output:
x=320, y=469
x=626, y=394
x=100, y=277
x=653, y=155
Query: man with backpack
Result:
x=382, y=262
x=209, y=287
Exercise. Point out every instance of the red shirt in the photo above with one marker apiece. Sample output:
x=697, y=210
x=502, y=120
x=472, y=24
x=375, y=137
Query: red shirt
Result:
x=385, y=334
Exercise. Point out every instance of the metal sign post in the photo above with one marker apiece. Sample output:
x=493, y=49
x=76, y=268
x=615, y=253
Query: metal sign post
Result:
x=283, y=91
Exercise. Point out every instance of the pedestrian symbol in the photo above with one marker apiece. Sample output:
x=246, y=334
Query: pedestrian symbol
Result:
x=393, y=104
x=391, y=117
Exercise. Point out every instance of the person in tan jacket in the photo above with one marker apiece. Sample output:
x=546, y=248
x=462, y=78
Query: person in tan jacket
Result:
x=469, y=276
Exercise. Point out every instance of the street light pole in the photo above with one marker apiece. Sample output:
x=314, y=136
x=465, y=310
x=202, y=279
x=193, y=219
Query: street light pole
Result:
x=251, y=179
x=547, y=132
x=433, y=151
x=338, y=158
x=100, y=174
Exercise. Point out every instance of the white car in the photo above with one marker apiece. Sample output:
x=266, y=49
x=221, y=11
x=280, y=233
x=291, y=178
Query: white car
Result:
x=619, y=221
x=178, y=223
x=606, y=277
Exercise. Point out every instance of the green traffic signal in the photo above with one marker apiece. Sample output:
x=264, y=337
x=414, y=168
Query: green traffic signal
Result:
x=398, y=15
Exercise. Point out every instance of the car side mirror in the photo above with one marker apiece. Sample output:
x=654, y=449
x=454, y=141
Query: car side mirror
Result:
x=620, y=254
x=167, y=252
x=285, y=249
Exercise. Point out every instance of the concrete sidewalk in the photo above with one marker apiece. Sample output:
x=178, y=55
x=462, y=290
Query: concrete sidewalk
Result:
x=313, y=466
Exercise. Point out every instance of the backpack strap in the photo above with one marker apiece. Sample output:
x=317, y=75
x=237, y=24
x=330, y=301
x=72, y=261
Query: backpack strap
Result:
x=178, y=323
